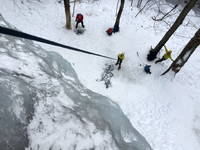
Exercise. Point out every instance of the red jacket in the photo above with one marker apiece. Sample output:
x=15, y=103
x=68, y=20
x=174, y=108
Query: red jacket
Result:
x=79, y=17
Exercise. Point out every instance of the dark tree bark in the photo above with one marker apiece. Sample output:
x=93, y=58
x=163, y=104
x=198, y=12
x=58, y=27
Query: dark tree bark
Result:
x=116, y=26
x=185, y=54
x=153, y=52
x=67, y=14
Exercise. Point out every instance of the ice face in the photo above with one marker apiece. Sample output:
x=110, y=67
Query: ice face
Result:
x=44, y=106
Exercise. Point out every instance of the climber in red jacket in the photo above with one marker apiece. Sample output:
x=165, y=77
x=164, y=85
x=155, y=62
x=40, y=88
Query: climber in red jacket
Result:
x=79, y=19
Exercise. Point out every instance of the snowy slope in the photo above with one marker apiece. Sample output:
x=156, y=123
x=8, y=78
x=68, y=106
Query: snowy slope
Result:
x=164, y=109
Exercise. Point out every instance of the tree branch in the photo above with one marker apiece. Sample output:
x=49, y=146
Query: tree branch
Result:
x=142, y=8
x=160, y=19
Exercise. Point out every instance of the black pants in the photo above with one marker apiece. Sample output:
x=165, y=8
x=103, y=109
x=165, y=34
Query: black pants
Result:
x=119, y=62
x=78, y=23
x=160, y=60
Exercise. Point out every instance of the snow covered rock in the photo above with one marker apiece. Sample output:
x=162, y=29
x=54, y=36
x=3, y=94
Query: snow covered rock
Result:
x=43, y=106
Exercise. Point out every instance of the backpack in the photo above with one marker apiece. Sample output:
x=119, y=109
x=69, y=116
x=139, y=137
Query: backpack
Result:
x=109, y=31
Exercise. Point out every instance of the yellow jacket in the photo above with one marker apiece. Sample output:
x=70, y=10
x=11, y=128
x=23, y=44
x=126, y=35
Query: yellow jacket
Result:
x=167, y=54
x=121, y=56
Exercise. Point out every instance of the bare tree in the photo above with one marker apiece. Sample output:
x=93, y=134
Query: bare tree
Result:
x=67, y=14
x=153, y=52
x=116, y=26
x=185, y=54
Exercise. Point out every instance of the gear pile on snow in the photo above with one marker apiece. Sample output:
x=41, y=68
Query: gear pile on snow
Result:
x=107, y=75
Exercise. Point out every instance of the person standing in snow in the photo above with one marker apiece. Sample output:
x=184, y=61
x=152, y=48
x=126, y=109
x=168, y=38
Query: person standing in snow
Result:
x=79, y=19
x=166, y=56
x=120, y=58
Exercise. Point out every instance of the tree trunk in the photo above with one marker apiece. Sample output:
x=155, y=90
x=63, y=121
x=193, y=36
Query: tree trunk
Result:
x=67, y=14
x=185, y=54
x=116, y=26
x=153, y=52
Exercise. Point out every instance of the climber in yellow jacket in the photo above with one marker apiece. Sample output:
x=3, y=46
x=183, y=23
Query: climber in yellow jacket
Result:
x=166, y=56
x=120, y=58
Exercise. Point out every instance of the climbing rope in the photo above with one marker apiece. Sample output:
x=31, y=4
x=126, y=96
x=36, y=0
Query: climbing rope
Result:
x=19, y=34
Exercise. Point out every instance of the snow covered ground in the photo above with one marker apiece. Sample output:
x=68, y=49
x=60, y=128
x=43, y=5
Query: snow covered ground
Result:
x=44, y=106
x=163, y=108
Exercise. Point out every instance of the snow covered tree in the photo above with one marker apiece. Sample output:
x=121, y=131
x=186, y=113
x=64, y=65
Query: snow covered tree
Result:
x=153, y=52
x=116, y=26
x=67, y=14
x=185, y=54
